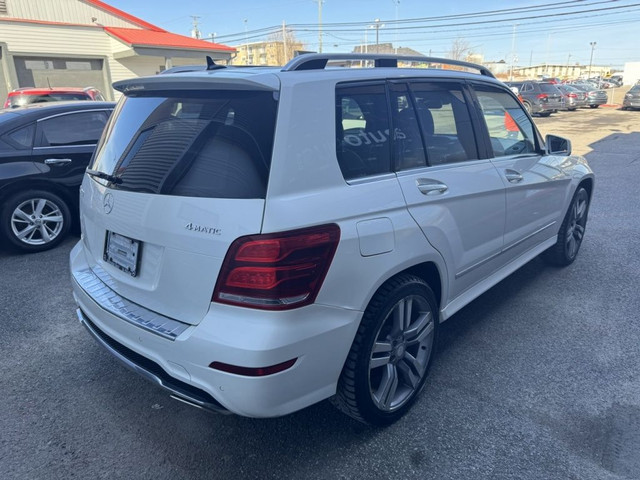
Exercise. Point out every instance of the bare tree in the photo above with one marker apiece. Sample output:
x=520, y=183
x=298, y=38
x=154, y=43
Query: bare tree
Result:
x=460, y=49
x=284, y=44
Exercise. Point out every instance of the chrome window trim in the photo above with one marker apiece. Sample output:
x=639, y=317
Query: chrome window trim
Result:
x=90, y=110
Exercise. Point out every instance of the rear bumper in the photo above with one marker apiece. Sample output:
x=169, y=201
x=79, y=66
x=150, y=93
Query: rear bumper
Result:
x=318, y=336
x=631, y=102
x=597, y=101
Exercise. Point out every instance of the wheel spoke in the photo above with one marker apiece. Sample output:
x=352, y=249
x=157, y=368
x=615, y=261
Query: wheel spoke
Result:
x=410, y=369
x=53, y=218
x=22, y=215
x=29, y=230
x=41, y=203
x=388, y=387
x=45, y=234
x=581, y=208
x=420, y=329
x=578, y=232
x=383, y=357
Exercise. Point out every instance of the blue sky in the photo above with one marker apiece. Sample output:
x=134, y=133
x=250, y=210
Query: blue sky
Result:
x=555, y=36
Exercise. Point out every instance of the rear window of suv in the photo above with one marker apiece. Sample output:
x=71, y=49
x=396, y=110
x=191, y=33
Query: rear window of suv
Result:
x=203, y=144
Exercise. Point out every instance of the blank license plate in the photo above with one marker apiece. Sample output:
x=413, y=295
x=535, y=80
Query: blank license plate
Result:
x=122, y=252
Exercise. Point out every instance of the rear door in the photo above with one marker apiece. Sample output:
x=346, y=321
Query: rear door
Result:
x=65, y=142
x=183, y=175
x=457, y=199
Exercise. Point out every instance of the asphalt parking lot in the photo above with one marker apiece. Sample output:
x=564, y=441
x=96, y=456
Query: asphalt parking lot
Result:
x=539, y=378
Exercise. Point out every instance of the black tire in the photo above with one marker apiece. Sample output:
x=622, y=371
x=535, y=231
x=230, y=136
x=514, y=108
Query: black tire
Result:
x=594, y=106
x=544, y=114
x=35, y=220
x=572, y=109
x=378, y=387
x=527, y=106
x=571, y=233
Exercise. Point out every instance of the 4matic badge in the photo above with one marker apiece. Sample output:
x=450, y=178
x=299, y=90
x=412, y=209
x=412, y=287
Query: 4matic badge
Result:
x=192, y=227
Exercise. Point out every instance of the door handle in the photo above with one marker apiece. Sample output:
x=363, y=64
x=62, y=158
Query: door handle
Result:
x=431, y=187
x=57, y=161
x=513, y=176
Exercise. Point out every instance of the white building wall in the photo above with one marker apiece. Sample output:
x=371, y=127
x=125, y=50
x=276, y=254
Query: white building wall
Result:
x=631, y=73
x=68, y=11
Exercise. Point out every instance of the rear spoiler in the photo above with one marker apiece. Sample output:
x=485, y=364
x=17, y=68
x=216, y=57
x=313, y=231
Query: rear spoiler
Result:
x=198, y=81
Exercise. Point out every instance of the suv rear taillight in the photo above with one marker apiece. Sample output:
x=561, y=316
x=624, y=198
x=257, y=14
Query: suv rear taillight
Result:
x=542, y=96
x=572, y=95
x=277, y=271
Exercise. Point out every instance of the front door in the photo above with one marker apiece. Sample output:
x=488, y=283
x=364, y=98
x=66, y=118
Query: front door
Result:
x=535, y=184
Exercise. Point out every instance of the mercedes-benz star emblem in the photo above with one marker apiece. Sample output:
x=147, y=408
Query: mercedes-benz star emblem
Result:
x=107, y=203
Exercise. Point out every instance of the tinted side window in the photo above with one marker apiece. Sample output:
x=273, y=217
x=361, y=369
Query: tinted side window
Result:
x=510, y=130
x=445, y=123
x=407, y=140
x=362, y=130
x=82, y=128
x=22, y=137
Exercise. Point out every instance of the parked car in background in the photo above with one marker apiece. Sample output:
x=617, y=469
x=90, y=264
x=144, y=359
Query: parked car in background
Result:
x=44, y=152
x=25, y=96
x=615, y=80
x=255, y=258
x=542, y=98
x=595, y=96
x=631, y=99
x=574, y=98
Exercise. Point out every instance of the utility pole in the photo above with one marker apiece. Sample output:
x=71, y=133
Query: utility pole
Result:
x=284, y=42
x=395, y=40
x=246, y=42
x=513, y=50
x=195, y=31
x=593, y=46
x=568, y=64
x=377, y=26
x=319, y=2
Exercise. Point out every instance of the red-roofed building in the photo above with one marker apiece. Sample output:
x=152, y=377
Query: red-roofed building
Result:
x=80, y=43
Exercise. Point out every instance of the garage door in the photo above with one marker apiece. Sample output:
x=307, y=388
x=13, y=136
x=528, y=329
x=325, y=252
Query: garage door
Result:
x=61, y=72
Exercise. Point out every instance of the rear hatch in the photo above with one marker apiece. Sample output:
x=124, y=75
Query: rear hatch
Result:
x=550, y=95
x=179, y=174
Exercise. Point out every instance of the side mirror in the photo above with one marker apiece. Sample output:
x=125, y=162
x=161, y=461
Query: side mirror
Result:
x=557, y=145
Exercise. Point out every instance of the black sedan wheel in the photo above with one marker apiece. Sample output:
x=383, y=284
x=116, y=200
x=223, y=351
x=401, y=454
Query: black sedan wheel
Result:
x=391, y=354
x=35, y=220
x=594, y=106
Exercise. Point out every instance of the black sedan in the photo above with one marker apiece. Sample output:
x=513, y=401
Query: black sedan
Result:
x=44, y=151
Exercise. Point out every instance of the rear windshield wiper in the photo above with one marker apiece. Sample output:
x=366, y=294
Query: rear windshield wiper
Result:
x=104, y=176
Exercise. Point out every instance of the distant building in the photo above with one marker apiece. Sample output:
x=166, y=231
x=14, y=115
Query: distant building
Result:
x=561, y=71
x=387, y=49
x=271, y=52
x=80, y=43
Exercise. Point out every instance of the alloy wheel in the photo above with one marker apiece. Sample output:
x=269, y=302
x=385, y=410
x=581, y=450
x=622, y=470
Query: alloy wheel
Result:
x=401, y=352
x=577, y=224
x=37, y=221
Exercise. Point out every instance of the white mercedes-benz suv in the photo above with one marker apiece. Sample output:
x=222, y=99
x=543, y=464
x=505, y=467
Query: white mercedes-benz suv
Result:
x=256, y=240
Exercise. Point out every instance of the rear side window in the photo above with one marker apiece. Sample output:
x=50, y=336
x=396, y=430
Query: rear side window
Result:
x=207, y=144
x=22, y=137
x=362, y=130
x=445, y=123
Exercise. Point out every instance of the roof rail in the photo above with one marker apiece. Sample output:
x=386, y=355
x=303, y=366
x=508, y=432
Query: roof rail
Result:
x=318, y=61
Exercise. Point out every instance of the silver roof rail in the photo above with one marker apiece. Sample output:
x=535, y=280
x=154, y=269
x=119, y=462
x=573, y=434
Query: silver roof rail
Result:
x=318, y=61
